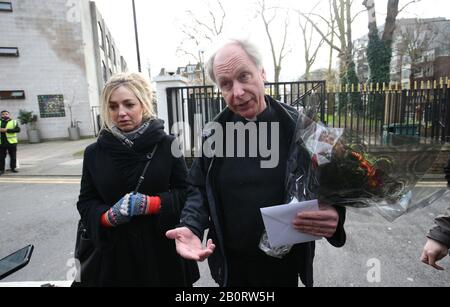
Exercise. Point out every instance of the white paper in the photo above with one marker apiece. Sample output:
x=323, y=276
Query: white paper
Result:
x=278, y=223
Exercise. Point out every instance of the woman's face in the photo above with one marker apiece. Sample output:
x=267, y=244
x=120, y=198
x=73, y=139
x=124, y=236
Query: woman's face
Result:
x=125, y=109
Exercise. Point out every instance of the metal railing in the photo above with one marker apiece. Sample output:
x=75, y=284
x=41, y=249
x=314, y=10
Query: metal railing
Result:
x=380, y=114
x=375, y=115
x=198, y=105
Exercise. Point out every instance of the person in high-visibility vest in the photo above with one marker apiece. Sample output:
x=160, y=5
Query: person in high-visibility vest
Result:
x=8, y=141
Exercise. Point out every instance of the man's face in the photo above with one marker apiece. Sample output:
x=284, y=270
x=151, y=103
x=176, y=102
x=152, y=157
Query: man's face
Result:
x=241, y=82
x=5, y=115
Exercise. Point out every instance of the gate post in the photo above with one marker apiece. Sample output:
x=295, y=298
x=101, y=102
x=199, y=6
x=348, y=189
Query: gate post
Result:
x=162, y=83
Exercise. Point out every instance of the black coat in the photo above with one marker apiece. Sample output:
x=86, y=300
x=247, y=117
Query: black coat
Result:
x=136, y=253
x=201, y=210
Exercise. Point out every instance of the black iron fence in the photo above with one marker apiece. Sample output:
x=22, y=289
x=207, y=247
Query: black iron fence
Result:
x=190, y=108
x=379, y=114
x=185, y=102
x=374, y=113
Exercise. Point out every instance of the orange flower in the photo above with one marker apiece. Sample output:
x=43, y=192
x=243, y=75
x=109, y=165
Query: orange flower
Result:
x=363, y=163
x=373, y=182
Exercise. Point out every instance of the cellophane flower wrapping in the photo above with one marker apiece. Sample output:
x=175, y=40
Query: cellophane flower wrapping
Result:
x=338, y=167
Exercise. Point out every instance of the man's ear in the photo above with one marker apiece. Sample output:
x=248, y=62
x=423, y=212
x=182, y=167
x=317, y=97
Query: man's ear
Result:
x=263, y=74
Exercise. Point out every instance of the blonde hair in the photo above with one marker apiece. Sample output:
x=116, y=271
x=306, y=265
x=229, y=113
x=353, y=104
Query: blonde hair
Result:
x=134, y=82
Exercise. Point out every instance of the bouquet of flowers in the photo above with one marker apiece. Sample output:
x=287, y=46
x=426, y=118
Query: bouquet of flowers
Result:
x=341, y=170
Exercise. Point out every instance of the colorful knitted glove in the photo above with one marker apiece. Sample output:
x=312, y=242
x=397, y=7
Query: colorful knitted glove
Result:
x=129, y=206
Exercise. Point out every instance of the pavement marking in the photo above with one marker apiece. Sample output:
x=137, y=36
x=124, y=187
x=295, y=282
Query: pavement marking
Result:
x=75, y=181
x=72, y=162
x=431, y=184
x=36, y=284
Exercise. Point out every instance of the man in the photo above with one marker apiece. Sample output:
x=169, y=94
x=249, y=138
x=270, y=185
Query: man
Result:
x=226, y=194
x=8, y=141
x=438, y=243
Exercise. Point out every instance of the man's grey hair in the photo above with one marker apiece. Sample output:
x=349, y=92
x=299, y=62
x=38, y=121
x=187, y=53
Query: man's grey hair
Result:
x=249, y=48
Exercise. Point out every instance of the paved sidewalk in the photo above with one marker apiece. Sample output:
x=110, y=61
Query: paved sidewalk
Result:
x=53, y=158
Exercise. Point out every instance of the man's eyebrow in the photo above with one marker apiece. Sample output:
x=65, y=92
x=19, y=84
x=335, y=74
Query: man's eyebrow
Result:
x=239, y=71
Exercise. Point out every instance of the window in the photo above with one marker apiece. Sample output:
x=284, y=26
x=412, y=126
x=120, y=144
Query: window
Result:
x=6, y=7
x=51, y=106
x=9, y=51
x=12, y=95
x=108, y=46
x=101, y=39
x=104, y=72
x=114, y=55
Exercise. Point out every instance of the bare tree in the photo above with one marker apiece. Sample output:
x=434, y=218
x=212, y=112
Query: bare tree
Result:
x=331, y=74
x=310, y=50
x=201, y=30
x=380, y=50
x=415, y=40
x=268, y=16
x=338, y=27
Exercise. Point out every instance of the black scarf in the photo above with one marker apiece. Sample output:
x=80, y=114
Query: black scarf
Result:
x=130, y=158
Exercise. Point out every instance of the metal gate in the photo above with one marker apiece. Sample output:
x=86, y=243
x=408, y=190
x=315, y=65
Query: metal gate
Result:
x=191, y=108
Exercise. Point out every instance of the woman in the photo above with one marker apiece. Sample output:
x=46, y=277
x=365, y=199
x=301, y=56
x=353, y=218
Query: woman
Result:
x=127, y=228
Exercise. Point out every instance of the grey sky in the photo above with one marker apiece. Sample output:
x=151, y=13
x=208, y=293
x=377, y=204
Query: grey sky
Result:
x=160, y=36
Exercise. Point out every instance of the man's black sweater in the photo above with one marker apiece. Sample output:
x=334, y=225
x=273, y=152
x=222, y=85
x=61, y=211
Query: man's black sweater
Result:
x=243, y=187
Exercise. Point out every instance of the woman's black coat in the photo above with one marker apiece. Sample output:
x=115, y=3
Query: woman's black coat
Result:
x=136, y=253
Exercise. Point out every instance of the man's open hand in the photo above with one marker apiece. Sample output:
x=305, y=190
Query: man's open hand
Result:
x=189, y=245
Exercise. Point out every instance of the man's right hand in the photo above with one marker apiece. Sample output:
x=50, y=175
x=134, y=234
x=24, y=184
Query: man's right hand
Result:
x=189, y=245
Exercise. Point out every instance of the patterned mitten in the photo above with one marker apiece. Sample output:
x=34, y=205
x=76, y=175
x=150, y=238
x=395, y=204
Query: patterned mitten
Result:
x=131, y=205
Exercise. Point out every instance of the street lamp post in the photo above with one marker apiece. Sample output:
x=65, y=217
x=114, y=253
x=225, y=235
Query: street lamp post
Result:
x=137, y=38
x=200, y=54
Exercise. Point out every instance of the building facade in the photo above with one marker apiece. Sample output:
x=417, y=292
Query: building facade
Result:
x=55, y=56
x=420, y=51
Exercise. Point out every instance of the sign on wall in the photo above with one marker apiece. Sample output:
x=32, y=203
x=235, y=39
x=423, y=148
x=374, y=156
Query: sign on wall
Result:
x=51, y=106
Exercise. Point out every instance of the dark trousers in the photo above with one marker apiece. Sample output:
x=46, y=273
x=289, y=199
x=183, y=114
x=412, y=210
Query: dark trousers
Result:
x=12, y=152
x=261, y=270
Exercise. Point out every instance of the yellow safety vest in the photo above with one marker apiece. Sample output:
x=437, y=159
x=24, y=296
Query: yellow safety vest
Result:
x=11, y=137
